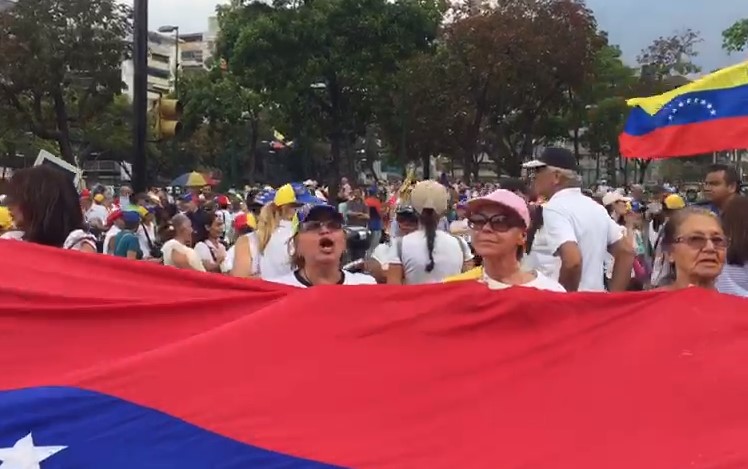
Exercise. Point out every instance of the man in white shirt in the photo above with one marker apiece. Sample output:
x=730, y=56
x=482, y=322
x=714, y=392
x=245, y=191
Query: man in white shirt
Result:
x=578, y=229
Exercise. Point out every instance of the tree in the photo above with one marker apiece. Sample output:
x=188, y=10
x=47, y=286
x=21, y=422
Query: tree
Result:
x=663, y=66
x=735, y=38
x=606, y=121
x=325, y=63
x=509, y=69
x=60, y=64
x=670, y=55
x=609, y=82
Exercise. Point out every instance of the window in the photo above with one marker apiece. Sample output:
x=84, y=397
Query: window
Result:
x=192, y=56
x=159, y=73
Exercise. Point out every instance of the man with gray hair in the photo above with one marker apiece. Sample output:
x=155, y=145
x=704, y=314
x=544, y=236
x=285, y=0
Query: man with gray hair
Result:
x=577, y=228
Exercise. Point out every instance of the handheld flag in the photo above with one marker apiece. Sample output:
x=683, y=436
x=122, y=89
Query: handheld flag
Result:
x=708, y=115
x=117, y=364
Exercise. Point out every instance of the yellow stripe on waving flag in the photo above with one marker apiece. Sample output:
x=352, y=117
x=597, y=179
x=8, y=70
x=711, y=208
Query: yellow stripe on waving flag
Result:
x=278, y=136
x=729, y=77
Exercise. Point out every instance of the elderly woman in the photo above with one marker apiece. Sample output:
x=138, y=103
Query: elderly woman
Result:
x=317, y=245
x=696, y=245
x=177, y=250
x=499, y=222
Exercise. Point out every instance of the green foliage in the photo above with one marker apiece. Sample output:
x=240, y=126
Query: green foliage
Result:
x=670, y=55
x=735, y=38
x=60, y=64
x=218, y=121
x=325, y=65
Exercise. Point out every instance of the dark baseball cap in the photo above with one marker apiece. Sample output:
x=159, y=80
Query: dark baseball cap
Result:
x=556, y=157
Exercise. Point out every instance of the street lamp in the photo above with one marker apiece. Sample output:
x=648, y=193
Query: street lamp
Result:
x=174, y=29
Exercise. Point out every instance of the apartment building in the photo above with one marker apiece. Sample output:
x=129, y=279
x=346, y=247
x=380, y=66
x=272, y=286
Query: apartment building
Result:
x=196, y=49
x=162, y=52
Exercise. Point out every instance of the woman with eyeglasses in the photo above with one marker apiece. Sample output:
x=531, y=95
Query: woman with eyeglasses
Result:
x=316, y=248
x=695, y=245
x=499, y=222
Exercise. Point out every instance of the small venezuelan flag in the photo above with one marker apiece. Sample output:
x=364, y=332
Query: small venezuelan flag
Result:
x=708, y=115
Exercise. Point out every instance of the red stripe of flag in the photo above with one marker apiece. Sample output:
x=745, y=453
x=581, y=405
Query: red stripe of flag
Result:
x=690, y=139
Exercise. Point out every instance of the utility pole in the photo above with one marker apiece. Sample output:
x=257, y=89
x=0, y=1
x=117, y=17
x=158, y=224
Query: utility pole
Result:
x=140, y=95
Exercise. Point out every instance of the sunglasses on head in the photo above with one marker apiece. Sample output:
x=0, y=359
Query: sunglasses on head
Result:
x=319, y=225
x=500, y=223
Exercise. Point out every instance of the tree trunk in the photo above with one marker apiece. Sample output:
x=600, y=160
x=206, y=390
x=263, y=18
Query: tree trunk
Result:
x=643, y=166
x=426, y=161
x=252, y=157
x=334, y=185
x=61, y=117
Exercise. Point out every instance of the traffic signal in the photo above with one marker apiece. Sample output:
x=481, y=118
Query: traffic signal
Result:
x=168, y=113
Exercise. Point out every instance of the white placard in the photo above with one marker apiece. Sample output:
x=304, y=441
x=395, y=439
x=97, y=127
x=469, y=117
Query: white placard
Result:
x=47, y=158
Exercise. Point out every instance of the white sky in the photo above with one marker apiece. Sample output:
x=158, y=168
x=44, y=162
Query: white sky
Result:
x=190, y=15
x=631, y=23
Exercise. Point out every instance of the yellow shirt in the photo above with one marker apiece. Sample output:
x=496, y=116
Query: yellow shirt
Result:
x=472, y=274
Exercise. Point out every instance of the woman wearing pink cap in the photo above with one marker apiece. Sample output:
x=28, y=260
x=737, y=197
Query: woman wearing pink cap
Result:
x=499, y=222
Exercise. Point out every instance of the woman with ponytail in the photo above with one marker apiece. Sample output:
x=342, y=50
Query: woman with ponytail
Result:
x=274, y=230
x=428, y=255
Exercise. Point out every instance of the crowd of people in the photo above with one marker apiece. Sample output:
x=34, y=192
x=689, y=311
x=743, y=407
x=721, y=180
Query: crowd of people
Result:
x=546, y=231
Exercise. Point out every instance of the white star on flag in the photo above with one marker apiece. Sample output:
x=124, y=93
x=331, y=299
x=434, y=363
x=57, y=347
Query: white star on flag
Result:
x=24, y=455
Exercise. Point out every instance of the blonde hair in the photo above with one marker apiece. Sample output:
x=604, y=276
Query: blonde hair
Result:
x=268, y=220
x=297, y=261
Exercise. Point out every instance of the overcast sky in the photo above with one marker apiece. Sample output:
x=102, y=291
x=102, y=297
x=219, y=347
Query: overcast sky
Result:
x=631, y=23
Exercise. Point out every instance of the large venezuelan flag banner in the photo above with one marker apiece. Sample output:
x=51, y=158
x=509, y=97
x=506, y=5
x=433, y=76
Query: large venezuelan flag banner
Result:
x=111, y=364
x=708, y=115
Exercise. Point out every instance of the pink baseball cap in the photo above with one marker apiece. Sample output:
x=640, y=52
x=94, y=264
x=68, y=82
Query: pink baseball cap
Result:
x=506, y=198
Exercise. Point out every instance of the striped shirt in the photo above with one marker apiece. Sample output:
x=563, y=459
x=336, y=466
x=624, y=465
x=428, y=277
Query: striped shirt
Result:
x=733, y=280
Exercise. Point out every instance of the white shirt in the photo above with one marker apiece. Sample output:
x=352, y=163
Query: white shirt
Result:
x=192, y=257
x=110, y=234
x=75, y=240
x=570, y=216
x=205, y=250
x=15, y=235
x=275, y=262
x=254, y=251
x=143, y=239
x=541, y=282
x=381, y=254
x=349, y=278
x=450, y=253
x=541, y=258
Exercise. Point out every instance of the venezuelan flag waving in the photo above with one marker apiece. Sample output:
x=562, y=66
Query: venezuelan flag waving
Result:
x=707, y=115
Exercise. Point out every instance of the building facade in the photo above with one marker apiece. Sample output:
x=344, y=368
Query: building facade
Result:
x=162, y=53
x=196, y=49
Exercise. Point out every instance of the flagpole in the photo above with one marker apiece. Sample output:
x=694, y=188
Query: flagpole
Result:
x=140, y=94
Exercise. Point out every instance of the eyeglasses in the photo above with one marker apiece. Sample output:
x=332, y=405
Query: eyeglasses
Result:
x=499, y=223
x=699, y=242
x=316, y=225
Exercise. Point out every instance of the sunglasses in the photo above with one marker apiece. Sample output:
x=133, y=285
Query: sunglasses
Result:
x=498, y=223
x=699, y=242
x=319, y=225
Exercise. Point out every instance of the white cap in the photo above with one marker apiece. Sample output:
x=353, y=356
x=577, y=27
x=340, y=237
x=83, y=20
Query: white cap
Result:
x=612, y=197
